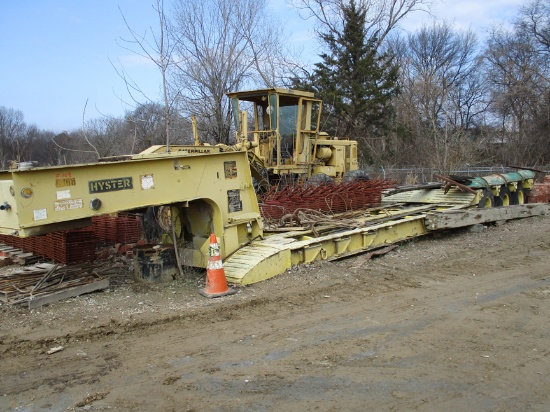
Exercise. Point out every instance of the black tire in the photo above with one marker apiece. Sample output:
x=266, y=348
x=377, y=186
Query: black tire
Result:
x=504, y=198
x=319, y=180
x=519, y=197
x=487, y=200
x=355, y=176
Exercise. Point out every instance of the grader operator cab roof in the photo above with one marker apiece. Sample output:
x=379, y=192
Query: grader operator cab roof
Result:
x=276, y=109
x=256, y=95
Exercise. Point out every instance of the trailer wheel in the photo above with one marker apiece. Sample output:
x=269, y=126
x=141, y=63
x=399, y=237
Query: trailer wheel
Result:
x=519, y=197
x=487, y=200
x=504, y=198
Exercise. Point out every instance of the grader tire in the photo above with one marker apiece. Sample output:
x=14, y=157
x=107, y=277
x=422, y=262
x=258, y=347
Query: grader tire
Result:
x=355, y=176
x=319, y=180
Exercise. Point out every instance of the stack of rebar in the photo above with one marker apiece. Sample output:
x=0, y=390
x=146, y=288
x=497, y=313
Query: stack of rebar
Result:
x=119, y=228
x=73, y=246
x=329, y=198
x=69, y=246
x=79, y=245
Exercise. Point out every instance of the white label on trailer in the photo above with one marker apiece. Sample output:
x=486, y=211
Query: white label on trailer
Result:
x=40, y=214
x=63, y=194
x=67, y=204
x=147, y=182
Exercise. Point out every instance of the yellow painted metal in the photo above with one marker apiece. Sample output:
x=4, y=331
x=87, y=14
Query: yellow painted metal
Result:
x=207, y=189
x=257, y=262
x=212, y=191
x=278, y=252
x=267, y=258
x=178, y=149
x=432, y=196
x=285, y=138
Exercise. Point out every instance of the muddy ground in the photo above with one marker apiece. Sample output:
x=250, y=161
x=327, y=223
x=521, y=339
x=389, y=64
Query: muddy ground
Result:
x=453, y=322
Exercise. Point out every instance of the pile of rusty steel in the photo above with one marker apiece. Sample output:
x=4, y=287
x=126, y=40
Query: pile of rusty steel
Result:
x=332, y=198
x=46, y=283
x=540, y=192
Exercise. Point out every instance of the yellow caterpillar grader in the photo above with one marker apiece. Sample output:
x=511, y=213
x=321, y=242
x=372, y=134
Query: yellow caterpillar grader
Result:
x=202, y=189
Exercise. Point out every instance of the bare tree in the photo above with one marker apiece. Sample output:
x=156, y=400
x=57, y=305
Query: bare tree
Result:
x=439, y=63
x=158, y=48
x=534, y=20
x=108, y=136
x=222, y=46
x=12, y=128
x=517, y=73
x=442, y=95
x=382, y=17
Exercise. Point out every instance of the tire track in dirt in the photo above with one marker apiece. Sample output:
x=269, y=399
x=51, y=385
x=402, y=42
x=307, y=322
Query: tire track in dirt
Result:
x=330, y=338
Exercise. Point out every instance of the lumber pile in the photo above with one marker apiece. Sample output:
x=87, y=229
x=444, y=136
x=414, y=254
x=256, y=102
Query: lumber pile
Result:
x=10, y=255
x=45, y=283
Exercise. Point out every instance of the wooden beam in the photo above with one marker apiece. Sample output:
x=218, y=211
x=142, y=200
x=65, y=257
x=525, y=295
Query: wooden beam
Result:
x=448, y=219
x=68, y=293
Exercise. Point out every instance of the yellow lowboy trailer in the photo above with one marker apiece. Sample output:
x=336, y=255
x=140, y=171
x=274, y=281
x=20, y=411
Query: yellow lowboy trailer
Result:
x=204, y=191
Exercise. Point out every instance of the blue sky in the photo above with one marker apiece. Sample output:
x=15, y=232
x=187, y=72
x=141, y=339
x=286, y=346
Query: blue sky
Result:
x=55, y=53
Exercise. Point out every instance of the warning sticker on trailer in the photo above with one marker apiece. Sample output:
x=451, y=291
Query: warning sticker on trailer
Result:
x=147, y=182
x=63, y=194
x=40, y=214
x=230, y=169
x=67, y=204
x=234, y=201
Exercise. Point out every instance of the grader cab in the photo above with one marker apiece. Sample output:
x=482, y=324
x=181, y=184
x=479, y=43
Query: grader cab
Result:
x=285, y=137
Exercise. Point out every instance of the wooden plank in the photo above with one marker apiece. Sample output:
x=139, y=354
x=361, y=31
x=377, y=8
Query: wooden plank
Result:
x=44, y=265
x=26, y=259
x=15, y=253
x=5, y=261
x=68, y=293
x=6, y=252
x=468, y=217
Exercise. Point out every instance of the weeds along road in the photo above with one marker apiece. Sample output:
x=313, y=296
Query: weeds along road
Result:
x=453, y=322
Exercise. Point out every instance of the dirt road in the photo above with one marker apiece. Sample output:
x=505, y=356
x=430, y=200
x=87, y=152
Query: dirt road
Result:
x=453, y=322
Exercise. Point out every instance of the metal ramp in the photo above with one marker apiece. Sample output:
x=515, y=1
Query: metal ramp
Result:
x=432, y=196
x=259, y=261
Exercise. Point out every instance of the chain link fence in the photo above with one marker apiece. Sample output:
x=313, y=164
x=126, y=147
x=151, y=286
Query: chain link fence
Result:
x=419, y=175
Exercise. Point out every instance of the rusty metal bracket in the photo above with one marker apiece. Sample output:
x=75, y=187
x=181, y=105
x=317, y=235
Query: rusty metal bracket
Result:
x=462, y=187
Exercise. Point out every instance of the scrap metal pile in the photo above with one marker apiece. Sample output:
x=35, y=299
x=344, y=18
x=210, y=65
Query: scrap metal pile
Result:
x=282, y=205
x=46, y=283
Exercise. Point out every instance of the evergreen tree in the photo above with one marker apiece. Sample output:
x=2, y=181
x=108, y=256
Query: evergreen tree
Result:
x=355, y=81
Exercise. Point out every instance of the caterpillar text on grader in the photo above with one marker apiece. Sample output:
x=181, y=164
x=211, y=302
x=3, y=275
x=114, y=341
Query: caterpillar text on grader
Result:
x=201, y=189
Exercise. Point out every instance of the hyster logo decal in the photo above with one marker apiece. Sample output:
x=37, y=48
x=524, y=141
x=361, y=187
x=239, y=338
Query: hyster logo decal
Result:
x=110, y=185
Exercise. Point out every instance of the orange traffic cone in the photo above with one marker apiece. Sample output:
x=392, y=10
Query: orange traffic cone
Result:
x=216, y=284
